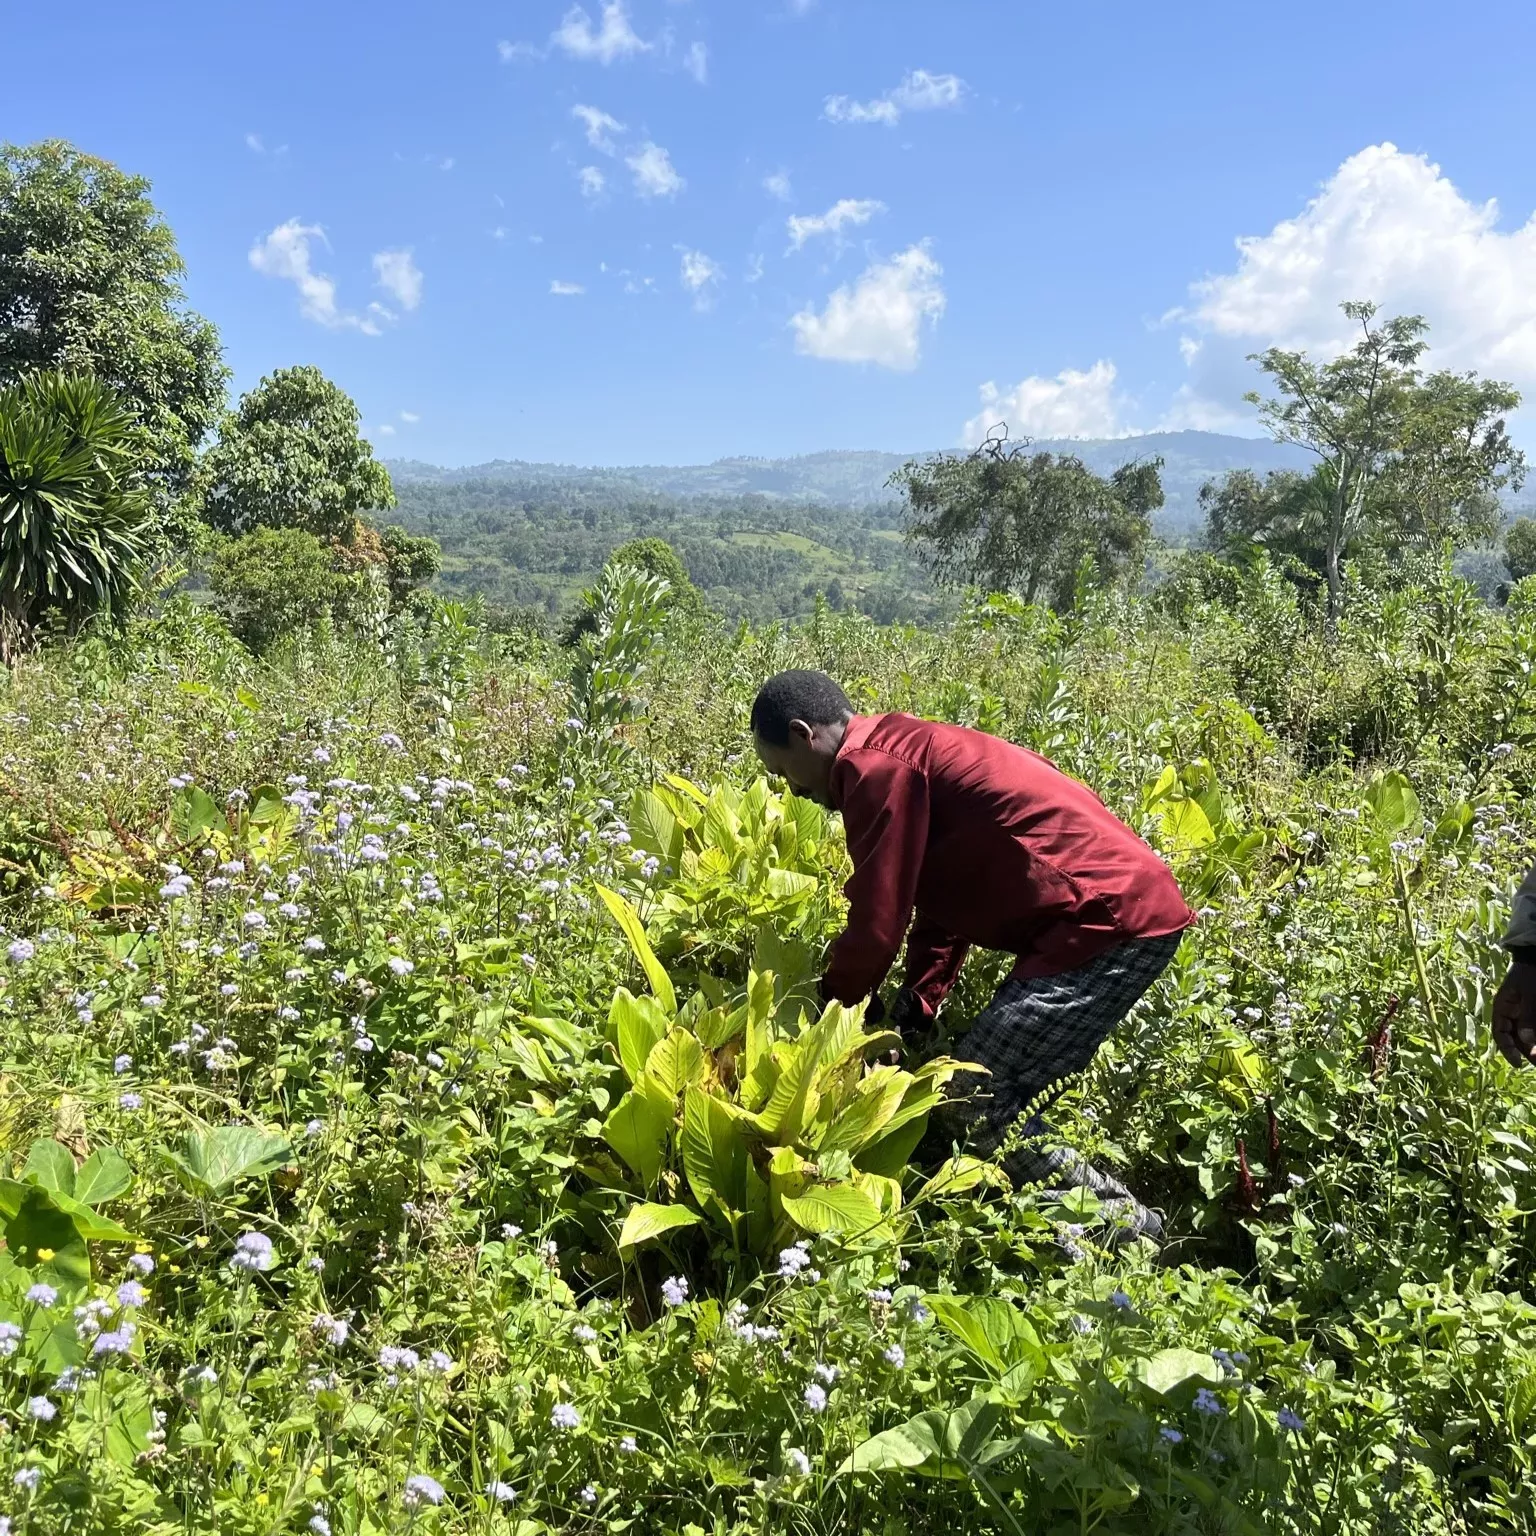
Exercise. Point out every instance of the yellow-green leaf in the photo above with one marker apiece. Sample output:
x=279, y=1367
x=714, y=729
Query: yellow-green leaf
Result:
x=634, y=930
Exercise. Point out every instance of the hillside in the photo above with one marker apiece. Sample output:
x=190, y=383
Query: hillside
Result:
x=761, y=536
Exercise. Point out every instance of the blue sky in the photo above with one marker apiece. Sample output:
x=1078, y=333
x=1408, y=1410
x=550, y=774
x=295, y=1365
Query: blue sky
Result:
x=1008, y=211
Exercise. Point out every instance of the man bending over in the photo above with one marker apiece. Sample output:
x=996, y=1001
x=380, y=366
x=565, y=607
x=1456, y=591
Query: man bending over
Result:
x=969, y=839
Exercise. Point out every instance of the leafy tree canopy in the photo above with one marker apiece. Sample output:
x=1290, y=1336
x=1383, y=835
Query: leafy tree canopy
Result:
x=1520, y=548
x=75, y=521
x=274, y=582
x=653, y=557
x=1405, y=458
x=90, y=283
x=290, y=457
x=1008, y=520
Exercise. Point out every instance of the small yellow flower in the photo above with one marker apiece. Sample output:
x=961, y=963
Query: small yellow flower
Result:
x=274, y=1451
x=44, y=1255
x=261, y=1500
x=199, y=1242
x=175, y=1269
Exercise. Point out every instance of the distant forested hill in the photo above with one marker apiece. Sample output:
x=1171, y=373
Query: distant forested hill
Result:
x=760, y=536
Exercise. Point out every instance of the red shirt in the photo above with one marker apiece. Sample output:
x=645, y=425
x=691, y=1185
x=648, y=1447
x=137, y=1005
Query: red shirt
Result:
x=988, y=844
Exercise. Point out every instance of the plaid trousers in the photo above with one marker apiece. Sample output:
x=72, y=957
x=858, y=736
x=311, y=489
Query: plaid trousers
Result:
x=1034, y=1037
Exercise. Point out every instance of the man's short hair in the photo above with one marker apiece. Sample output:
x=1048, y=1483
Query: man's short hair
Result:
x=809, y=696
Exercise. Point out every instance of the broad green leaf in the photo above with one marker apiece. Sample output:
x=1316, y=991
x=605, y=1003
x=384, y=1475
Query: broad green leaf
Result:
x=193, y=814
x=40, y=1227
x=216, y=1158
x=958, y=1176
x=646, y=1222
x=837, y=1208
x=792, y=1104
x=674, y=1062
x=952, y=1441
x=266, y=805
x=92, y=1225
x=635, y=1025
x=634, y=930
x=714, y=1149
x=637, y=1130
x=789, y=884
x=719, y=1026
x=1170, y=1369
x=655, y=829
x=1185, y=825
x=994, y=1330
x=860, y=1119
x=1393, y=804
x=50, y=1165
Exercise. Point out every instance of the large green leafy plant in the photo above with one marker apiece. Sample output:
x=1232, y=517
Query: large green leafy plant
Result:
x=760, y=1120
x=74, y=522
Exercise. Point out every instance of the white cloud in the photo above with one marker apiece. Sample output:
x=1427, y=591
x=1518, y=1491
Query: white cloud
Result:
x=700, y=276
x=385, y=431
x=878, y=319
x=696, y=62
x=410, y=418
x=254, y=144
x=1387, y=226
x=919, y=91
x=653, y=172
x=612, y=39
x=566, y=290
x=510, y=51
x=754, y=272
x=1073, y=404
x=285, y=254
x=592, y=181
x=600, y=128
x=848, y=211
x=397, y=274
x=777, y=185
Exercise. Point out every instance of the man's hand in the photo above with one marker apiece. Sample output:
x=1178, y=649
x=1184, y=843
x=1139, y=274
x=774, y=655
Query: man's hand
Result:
x=1514, y=1014
x=910, y=1015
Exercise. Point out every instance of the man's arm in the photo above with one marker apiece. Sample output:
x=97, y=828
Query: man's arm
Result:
x=934, y=958
x=885, y=813
x=1514, y=1004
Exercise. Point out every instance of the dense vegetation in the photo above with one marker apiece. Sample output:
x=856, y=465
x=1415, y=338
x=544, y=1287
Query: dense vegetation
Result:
x=415, y=1109
x=375, y=1178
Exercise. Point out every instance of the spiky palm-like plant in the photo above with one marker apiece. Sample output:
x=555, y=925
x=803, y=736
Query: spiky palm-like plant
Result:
x=74, y=521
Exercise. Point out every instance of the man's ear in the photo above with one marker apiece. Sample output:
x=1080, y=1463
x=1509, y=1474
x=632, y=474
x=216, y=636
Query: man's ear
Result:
x=800, y=731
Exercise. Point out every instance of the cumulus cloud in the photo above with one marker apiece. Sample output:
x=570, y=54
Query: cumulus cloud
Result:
x=840, y=216
x=566, y=290
x=613, y=38
x=254, y=144
x=385, y=431
x=507, y=52
x=919, y=91
x=600, y=128
x=1388, y=226
x=398, y=275
x=653, y=171
x=878, y=319
x=1073, y=404
x=410, y=418
x=696, y=62
x=700, y=276
x=286, y=254
x=777, y=185
x=592, y=181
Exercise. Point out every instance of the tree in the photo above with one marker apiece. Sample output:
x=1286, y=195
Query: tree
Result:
x=290, y=457
x=410, y=562
x=1402, y=457
x=75, y=519
x=653, y=557
x=1011, y=521
x=90, y=283
x=1520, y=548
x=275, y=582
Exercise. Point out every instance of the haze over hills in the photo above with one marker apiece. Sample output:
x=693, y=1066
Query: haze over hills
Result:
x=859, y=478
